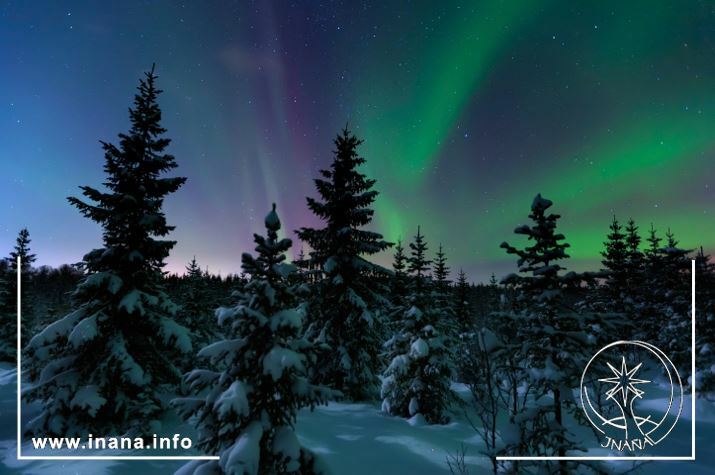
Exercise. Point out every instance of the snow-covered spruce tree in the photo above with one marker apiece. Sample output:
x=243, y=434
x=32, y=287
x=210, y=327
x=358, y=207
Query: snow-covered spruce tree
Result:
x=649, y=318
x=614, y=270
x=417, y=380
x=105, y=362
x=8, y=335
x=705, y=324
x=440, y=270
x=398, y=285
x=246, y=405
x=462, y=306
x=552, y=338
x=674, y=301
x=27, y=258
x=398, y=282
x=464, y=323
x=301, y=275
x=196, y=311
x=633, y=264
x=349, y=299
x=443, y=298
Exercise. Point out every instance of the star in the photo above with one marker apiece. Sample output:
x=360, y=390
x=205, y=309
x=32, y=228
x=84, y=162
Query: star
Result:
x=623, y=382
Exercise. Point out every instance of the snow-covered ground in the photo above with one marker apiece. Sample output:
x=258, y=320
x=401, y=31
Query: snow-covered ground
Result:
x=351, y=439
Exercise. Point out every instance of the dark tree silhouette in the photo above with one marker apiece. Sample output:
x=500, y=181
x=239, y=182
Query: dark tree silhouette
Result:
x=104, y=363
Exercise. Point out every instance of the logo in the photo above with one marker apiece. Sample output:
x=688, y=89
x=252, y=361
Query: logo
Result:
x=632, y=395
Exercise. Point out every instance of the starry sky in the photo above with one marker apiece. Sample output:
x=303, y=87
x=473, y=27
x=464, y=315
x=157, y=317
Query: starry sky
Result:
x=467, y=109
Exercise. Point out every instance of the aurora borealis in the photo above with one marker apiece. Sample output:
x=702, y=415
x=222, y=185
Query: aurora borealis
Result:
x=467, y=109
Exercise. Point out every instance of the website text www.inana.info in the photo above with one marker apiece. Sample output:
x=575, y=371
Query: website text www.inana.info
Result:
x=113, y=443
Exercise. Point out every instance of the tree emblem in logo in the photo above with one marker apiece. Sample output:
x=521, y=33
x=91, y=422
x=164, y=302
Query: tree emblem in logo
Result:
x=617, y=381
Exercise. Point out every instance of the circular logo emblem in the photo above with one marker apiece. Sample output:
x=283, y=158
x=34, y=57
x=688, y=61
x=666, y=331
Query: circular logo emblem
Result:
x=631, y=394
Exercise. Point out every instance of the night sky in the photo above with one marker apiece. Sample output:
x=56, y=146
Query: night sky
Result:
x=467, y=109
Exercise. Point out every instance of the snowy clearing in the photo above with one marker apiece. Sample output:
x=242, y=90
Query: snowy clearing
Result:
x=351, y=439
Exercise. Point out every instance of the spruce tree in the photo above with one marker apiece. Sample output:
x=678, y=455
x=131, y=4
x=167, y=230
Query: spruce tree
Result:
x=674, y=301
x=105, y=362
x=8, y=333
x=196, y=312
x=417, y=380
x=650, y=320
x=440, y=271
x=27, y=258
x=614, y=258
x=462, y=312
x=551, y=335
x=705, y=324
x=245, y=405
x=349, y=300
x=634, y=257
x=398, y=287
x=633, y=269
x=442, y=296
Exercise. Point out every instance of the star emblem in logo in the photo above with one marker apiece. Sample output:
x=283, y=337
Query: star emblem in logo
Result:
x=624, y=382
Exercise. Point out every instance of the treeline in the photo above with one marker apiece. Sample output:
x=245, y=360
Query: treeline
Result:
x=244, y=354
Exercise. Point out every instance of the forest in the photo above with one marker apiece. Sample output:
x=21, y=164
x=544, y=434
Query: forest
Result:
x=105, y=340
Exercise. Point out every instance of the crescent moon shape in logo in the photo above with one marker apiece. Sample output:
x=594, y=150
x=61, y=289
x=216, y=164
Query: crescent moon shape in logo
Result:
x=675, y=403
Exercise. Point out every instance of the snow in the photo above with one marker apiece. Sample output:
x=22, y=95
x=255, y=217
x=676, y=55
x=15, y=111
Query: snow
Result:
x=132, y=302
x=330, y=265
x=413, y=407
x=233, y=400
x=88, y=398
x=56, y=329
x=272, y=221
x=113, y=282
x=286, y=443
x=414, y=313
x=286, y=318
x=398, y=365
x=244, y=456
x=490, y=341
x=220, y=349
x=279, y=359
x=84, y=331
x=419, y=349
x=132, y=371
x=344, y=436
x=170, y=331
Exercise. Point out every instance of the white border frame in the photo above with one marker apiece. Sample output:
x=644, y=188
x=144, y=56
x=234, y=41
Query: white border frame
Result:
x=691, y=457
x=71, y=457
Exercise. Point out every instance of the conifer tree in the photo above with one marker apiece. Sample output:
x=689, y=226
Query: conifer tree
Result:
x=634, y=257
x=674, y=301
x=633, y=269
x=442, y=296
x=105, y=362
x=417, y=380
x=552, y=336
x=650, y=320
x=27, y=258
x=398, y=287
x=463, y=312
x=614, y=259
x=440, y=271
x=8, y=333
x=246, y=405
x=348, y=301
x=196, y=313
x=653, y=250
x=705, y=324
x=301, y=264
